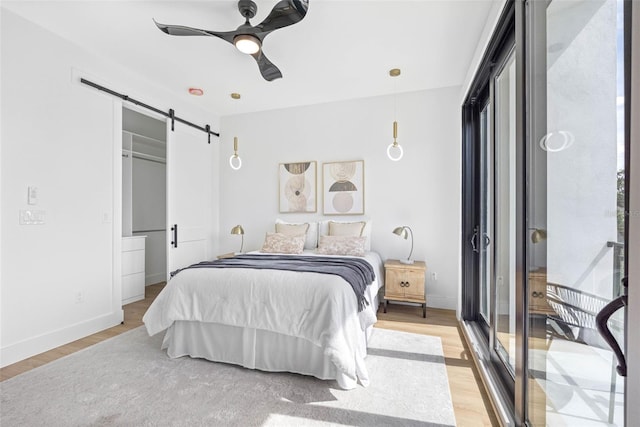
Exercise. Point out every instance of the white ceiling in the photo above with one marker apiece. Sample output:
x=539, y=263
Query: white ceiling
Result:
x=340, y=50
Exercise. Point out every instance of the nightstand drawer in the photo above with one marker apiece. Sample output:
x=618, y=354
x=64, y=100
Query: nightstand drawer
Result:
x=227, y=255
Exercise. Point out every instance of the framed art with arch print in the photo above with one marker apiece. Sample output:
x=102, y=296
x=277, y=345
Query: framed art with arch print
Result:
x=343, y=188
x=297, y=187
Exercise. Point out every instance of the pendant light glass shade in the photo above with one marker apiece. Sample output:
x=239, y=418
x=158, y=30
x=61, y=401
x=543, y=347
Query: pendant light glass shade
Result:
x=394, y=150
x=235, y=161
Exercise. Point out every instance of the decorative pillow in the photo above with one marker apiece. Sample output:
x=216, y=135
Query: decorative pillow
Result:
x=311, y=241
x=323, y=230
x=278, y=243
x=342, y=245
x=346, y=228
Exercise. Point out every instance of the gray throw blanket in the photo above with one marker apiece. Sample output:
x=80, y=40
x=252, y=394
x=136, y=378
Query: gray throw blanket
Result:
x=357, y=272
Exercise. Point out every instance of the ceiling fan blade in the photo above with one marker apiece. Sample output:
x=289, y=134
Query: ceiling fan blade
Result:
x=283, y=14
x=180, y=30
x=269, y=71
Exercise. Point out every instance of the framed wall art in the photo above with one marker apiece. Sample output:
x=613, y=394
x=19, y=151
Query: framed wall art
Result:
x=298, y=187
x=343, y=188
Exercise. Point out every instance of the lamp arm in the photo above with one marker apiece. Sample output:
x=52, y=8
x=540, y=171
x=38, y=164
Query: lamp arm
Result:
x=241, y=242
x=411, y=233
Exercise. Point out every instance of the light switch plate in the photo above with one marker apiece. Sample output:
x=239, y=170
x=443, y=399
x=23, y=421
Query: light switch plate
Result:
x=32, y=195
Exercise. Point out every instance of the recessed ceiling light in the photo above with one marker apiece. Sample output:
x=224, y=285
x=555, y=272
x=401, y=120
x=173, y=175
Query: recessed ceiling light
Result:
x=235, y=95
x=196, y=91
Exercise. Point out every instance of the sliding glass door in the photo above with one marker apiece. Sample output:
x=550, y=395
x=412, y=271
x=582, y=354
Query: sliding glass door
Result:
x=490, y=241
x=545, y=160
x=576, y=202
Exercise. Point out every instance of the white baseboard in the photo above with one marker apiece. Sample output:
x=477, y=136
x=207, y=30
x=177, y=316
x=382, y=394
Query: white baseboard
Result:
x=152, y=279
x=435, y=301
x=32, y=346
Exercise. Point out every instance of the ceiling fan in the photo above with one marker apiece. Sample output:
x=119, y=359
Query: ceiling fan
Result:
x=248, y=38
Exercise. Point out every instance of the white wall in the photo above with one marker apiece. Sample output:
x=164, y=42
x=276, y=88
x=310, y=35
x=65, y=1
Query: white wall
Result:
x=422, y=190
x=63, y=138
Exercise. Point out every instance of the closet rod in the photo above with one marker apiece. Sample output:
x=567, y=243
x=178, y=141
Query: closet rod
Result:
x=144, y=156
x=149, y=157
x=170, y=114
x=149, y=231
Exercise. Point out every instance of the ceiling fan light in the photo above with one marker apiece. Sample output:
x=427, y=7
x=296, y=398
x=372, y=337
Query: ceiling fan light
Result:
x=246, y=43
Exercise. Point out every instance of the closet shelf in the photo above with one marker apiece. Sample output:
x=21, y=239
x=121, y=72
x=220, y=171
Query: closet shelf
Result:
x=148, y=138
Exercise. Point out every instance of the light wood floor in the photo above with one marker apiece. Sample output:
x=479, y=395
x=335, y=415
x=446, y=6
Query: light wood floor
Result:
x=470, y=402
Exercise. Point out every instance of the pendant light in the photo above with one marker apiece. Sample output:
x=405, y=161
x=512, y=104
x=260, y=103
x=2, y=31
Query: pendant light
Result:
x=394, y=150
x=235, y=161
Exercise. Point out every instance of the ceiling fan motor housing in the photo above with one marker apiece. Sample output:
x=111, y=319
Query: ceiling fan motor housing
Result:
x=247, y=8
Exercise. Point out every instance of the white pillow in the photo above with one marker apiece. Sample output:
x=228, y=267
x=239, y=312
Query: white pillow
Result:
x=323, y=230
x=311, y=241
x=342, y=245
x=277, y=243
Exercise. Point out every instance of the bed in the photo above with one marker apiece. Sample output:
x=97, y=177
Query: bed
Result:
x=272, y=320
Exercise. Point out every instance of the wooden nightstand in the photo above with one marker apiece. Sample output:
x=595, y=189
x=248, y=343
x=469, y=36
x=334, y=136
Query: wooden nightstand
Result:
x=229, y=255
x=405, y=282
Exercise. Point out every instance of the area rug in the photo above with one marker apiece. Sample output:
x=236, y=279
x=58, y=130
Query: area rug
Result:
x=128, y=381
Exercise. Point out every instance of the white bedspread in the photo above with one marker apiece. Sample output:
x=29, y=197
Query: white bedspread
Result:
x=321, y=308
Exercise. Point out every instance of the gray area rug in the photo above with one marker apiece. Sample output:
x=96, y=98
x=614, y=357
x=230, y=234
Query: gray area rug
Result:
x=128, y=381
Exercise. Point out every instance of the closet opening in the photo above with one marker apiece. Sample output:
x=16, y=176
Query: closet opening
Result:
x=144, y=203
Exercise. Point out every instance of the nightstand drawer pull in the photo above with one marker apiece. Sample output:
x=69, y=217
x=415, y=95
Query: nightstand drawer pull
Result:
x=405, y=284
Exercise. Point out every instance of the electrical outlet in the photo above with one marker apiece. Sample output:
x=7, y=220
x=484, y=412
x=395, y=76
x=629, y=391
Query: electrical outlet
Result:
x=434, y=276
x=31, y=217
x=79, y=297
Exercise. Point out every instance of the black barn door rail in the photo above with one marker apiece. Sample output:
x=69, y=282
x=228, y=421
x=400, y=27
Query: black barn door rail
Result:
x=170, y=114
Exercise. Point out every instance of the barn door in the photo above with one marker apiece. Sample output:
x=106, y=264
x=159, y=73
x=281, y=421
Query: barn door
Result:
x=188, y=196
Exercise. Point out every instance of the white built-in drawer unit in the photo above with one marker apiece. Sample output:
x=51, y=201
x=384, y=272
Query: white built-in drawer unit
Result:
x=133, y=268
